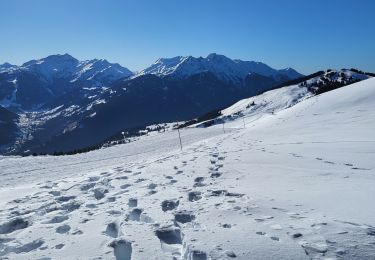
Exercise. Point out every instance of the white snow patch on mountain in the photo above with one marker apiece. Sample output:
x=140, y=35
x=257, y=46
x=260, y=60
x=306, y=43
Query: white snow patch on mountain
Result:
x=11, y=101
x=95, y=102
x=269, y=102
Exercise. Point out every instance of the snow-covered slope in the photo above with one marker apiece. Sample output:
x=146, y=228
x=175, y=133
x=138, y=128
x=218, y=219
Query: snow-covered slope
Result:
x=296, y=184
x=100, y=70
x=223, y=67
x=279, y=99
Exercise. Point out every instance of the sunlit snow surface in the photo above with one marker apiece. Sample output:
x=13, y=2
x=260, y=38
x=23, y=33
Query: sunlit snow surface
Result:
x=297, y=183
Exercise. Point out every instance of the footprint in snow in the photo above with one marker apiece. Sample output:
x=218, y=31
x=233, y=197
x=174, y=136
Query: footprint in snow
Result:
x=106, y=174
x=118, y=169
x=195, y=254
x=57, y=219
x=169, y=235
x=111, y=199
x=194, y=196
x=71, y=206
x=296, y=155
x=87, y=186
x=132, y=203
x=122, y=249
x=140, y=180
x=168, y=205
x=112, y=229
x=329, y=162
x=63, y=229
x=65, y=198
x=261, y=219
x=125, y=186
x=216, y=174
x=122, y=178
x=135, y=214
x=24, y=248
x=184, y=216
x=59, y=246
x=55, y=192
x=358, y=168
x=114, y=212
x=13, y=225
x=296, y=235
x=93, y=178
x=152, y=186
x=198, y=182
x=99, y=193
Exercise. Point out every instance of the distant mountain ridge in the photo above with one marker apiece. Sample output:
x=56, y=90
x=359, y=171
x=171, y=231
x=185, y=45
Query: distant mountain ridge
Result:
x=36, y=82
x=6, y=66
x=223, y=67
x=68, y=66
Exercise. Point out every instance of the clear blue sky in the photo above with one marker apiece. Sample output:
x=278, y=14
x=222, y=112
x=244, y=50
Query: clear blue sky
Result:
x=303, y=34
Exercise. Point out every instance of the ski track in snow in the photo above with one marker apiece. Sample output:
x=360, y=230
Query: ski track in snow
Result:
x=303, y=193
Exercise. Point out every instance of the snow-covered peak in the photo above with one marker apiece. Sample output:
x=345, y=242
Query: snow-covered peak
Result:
x=67, y=67
x=290, y=73
x=7, y=66
x=220, y=65
x=100, y=70
x=53, y=66
x=37, y=82
x=217, y=57
x=164, y=66
x=56, y=59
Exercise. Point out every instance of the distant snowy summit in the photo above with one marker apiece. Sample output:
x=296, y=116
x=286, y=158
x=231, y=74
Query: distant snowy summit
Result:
x=221, y=66
x=37, y=82
x=66, y=66
x=7, y=66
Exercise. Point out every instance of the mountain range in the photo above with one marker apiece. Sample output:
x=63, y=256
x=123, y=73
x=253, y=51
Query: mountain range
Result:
x=222, y=67
x=59, y=103
x=37, y=82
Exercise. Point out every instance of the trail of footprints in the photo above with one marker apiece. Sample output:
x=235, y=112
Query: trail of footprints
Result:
x=325, y=161
x=53, y=207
